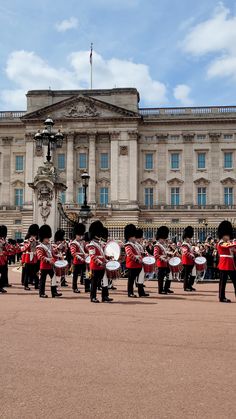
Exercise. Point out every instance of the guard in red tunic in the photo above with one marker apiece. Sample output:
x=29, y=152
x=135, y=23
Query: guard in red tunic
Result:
x=60, y=247
x=188, y=259
x=47, y=257
x=97, y=263
x=140, y=278
x=78, y=252
x=226, y=249
x=3, y=259
x=133, y=260
x=30, y=258
x=161, y=255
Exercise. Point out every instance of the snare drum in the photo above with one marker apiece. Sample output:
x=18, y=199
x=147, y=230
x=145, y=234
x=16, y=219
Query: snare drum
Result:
x=149, y=264
x=201, y=264
x=61, y=267
x=175, y=264
x=112, y=250
x=113, y=269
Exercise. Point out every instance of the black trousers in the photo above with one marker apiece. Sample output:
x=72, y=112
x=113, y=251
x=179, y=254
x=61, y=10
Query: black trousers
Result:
x=133, y=274
x=30, y=274
x=4, y=274
x=224, y=275
x=96, y=278
x=2, y=280
x=42, y=281
x=187, y=276
x=78, y=270
x=163, y=273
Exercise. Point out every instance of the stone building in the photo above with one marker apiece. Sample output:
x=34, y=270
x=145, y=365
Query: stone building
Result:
x=146, y=165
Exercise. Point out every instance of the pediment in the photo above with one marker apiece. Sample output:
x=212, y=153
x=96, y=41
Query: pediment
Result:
x=80, y=107
x=175, y=181
x=228, y=181
x=103, y=181
x=18, y=183
x=149, y=181
x=201, y=181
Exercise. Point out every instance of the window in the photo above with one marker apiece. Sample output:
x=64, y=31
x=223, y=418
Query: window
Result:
x=174, y=161
x=149, y=161
x=80, y=197
x=17, y=222
x=228, y=196
x=148, y=197
x=201, y=137
x=63, y=197
x=228, y=160
x=201, y=196
x=104, y=164
x=201, y=161
x=18, y=235
x=175, y=221
x=104, y=197
x=82, y=161
x=175, y=196
x=19, y=163
x=228, y=137
x=61, y=162
x=19, y=197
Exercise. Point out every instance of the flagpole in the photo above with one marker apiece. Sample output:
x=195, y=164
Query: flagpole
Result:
x=91, y=66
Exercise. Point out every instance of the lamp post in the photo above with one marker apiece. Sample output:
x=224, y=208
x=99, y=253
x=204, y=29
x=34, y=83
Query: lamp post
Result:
x=49, y=138
x=85, y=211
x=205, y=225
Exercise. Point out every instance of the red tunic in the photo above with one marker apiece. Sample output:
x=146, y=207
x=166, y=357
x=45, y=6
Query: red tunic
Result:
x=187, y=254
x=4, y=251
x=97, y=256
x=77, y=249
x=160, y=254
x=29, y=250
x=45, y=253
x=226, y=256
x=133, y=256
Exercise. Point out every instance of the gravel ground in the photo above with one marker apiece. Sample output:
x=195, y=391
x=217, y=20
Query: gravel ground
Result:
x=160, y=357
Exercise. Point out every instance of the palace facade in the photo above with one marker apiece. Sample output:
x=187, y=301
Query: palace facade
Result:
x=146, y=165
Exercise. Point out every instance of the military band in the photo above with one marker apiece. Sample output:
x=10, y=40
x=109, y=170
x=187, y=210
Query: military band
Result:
x=42, y=258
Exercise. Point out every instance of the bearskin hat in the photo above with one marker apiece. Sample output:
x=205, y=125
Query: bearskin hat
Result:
x=19, y=241
x=225, y=228
x=130, y=231
x=33, y=230
x=59, y=235
x=45, y=232
x=79, y=229
x=188, y=233
x=3, y=231
x=96, y=229
x=139, y=233
x=105, y=233
x=162, y=232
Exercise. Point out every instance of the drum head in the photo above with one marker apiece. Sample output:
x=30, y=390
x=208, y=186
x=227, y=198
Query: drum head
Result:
x=175, y=261
x=149, y=260
x=113, y=265
x=112, y=249
x=61, y=263
x=200, y=260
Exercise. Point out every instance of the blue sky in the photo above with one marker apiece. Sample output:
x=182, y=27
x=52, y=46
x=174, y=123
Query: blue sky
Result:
x=177, y=53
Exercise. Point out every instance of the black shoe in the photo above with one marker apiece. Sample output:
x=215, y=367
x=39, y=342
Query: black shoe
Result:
x=132, y=296
x=43, y=296
x=27, y=288
x=76, y=291
x=192, y=289
x=64, y=284
x=56, y=294
x=2, y=290
x=225, y=300
x=8, y=286
x=95, y=300
x=169, y=291
x=187, y=289
x=107, y=300
x=144, y=295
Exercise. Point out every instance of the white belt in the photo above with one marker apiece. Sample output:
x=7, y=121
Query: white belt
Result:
x=227, y=256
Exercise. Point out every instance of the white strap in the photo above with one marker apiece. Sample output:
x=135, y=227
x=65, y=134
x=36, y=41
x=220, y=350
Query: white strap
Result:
x=227, y=256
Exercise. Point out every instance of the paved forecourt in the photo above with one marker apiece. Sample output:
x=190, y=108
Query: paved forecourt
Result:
x=160, y=357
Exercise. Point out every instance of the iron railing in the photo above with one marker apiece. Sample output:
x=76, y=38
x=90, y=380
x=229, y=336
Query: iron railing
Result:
x=11, y=114
x=203, y=110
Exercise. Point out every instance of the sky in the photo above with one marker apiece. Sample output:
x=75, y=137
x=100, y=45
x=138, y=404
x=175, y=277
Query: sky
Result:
x=175, y=52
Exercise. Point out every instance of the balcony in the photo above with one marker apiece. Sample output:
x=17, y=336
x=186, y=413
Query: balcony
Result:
x=186, y=207
x=11, y=114
x=195, y=111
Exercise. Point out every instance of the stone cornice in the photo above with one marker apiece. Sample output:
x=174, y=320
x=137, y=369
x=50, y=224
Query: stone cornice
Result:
x=201, y=181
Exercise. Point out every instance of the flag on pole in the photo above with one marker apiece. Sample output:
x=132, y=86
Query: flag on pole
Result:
x=91, y=55
x=91, y=66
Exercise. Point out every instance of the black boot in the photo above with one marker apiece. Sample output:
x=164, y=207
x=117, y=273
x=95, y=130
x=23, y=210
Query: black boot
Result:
x=87, y=285
x=54, y=292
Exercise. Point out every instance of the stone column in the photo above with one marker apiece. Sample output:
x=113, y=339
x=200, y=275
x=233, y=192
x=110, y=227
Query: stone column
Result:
x=92, y=169
x=162, y=164
x=70, y=169
x=29, y=159
x=6, y=171
x=114, y=136
x=133, y=168
x=188, y=156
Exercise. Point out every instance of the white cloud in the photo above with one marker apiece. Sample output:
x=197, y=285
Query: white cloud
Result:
x=29, y=71
x=216, y=36
x=181, y=93
x=66, y=24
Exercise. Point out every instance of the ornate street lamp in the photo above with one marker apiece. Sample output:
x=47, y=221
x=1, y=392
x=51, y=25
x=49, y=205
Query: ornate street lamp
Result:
x=49, y=138
x=85, y=211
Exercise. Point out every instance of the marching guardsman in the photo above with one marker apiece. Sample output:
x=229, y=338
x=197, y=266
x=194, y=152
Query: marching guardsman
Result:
x=30, y=258
x=3, y=259
x=140, y=277
x=97, y=263
x=188, y=258
x=47, y=259
x=78, y=252
x=60, y=248
x=133, y=260
x=161, y=250
x=226, y=250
